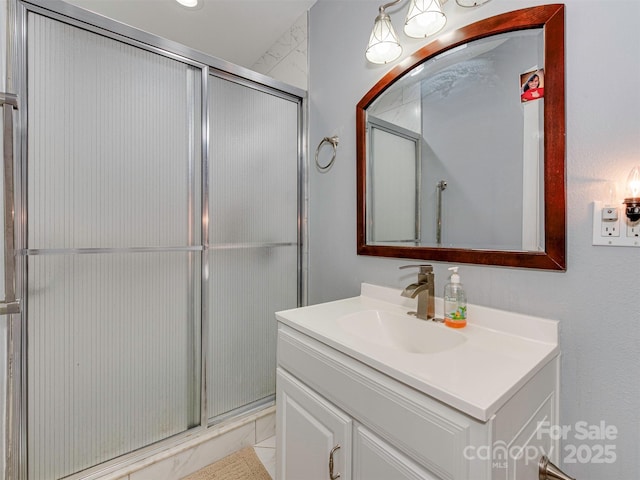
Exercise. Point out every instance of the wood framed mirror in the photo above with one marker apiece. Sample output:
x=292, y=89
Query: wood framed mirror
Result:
x=478, y=174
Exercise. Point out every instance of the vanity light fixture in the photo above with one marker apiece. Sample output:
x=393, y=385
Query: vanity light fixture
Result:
x=384, y=46
x=632, y=198
x=424, y=18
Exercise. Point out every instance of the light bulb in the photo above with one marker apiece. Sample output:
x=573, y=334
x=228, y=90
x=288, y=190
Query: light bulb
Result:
x=424, y=18
x=633, y=182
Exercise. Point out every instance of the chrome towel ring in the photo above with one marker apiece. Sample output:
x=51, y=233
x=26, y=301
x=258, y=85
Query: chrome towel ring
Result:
x=333, y=141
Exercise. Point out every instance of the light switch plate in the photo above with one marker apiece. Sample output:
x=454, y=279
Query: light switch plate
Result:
x=607, y=231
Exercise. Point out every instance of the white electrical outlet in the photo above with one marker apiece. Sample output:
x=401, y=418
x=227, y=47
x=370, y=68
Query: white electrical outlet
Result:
x=612, y=227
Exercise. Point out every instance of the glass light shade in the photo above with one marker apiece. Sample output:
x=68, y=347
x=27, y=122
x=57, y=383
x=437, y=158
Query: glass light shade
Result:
x=424, y=18
x=384, y=46
x=471, y=3
x=633, y=184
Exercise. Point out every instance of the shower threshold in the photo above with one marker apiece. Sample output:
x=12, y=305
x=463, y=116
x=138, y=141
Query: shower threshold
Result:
x=194, y=451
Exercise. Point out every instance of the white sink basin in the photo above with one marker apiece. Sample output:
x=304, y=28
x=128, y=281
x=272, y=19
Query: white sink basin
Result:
x=400, y=332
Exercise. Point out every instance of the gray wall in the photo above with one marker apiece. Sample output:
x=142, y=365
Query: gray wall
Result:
x=595, y=300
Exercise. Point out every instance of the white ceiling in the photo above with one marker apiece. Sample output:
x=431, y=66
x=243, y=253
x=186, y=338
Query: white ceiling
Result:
x=238, y=31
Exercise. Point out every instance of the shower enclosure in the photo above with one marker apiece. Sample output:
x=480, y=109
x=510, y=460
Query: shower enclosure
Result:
x=157, y=232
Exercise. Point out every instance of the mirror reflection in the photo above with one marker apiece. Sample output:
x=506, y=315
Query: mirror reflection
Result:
x=455, y=149
x=460, y=147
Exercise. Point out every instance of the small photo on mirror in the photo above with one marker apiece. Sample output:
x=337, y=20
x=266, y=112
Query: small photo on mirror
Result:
x=532, y=85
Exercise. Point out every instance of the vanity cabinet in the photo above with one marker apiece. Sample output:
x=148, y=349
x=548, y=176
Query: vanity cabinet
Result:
x=388, y=430
x=315, y=434
x=374, y=458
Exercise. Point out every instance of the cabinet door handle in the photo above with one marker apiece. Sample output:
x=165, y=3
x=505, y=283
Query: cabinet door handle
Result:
x=331, y=475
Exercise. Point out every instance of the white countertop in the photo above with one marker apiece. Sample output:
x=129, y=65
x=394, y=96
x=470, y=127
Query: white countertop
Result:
x=502, y=351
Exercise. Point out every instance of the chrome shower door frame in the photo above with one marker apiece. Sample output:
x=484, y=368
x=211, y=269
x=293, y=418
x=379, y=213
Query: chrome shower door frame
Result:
x=16, y=455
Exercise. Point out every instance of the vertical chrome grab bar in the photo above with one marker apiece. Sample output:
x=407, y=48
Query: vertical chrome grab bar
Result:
x=10, y=304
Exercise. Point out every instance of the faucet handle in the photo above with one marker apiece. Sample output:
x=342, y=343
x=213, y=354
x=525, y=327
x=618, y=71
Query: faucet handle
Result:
x=423, y=268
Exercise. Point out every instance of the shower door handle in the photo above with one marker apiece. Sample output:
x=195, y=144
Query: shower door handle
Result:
x=10, y=304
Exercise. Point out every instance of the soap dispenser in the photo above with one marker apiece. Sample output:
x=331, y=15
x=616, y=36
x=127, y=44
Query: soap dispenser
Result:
x=455, y=302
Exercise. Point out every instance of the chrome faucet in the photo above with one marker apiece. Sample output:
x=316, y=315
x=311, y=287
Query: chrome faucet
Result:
x=424, y=290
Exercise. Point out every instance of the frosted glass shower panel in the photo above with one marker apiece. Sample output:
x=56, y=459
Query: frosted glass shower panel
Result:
x=112, y=368
x=253, y=168
x=253, y=240
x=113, y=249
x=114, y=142
x=250, y=285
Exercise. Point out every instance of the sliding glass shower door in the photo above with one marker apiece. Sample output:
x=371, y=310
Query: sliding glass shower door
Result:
x=253, y=239
x=159, y=201
x=113, y=252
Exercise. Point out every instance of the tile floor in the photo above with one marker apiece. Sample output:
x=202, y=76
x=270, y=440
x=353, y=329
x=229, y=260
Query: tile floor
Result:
x=266, y=451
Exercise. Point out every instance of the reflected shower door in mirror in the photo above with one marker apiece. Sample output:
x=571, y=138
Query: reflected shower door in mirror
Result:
x=396, y=185
x=461, y=147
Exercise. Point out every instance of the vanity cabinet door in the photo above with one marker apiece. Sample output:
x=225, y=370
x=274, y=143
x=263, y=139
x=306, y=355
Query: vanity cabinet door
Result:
x=314, y=437
x=521, y=427
x=375, y=459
